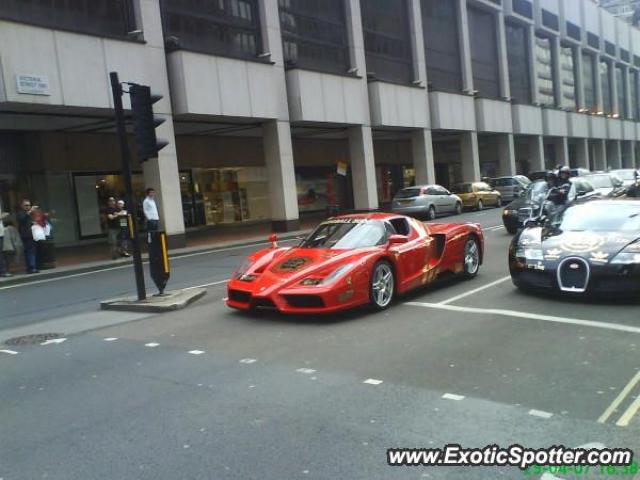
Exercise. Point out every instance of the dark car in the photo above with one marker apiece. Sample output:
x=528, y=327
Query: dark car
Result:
x=587, y=248
x=521, y=209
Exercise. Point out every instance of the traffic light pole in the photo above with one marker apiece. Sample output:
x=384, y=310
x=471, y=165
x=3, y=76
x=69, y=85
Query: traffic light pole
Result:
x=116, y=88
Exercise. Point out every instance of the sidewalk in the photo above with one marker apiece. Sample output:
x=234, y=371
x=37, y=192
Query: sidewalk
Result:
x=87, y=258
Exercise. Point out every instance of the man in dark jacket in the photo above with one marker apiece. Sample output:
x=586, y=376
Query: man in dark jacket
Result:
x=25, y=221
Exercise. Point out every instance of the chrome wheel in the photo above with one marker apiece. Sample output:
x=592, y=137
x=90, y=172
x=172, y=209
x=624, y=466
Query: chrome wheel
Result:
x=382, y=285
x=458, y=208
x=480, y=205
x=471, y=258
x=431, y=213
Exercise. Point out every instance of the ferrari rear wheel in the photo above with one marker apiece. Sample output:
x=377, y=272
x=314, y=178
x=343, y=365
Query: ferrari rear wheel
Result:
x=382, y=285
x=471, y=258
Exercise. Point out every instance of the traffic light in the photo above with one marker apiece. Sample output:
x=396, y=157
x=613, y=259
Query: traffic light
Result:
x=144, y=122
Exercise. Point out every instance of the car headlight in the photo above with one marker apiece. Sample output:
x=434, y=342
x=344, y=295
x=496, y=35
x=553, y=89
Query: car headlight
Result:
x=507, y=212
x=328, y=280
x=529, y=253
x=243, y=269
x=626, y=258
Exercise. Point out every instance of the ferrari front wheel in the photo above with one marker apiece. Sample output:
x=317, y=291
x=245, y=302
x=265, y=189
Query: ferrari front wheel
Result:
x=382, y=285
x=471, y=258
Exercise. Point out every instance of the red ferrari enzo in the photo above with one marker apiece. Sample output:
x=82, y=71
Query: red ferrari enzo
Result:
x=353, y=260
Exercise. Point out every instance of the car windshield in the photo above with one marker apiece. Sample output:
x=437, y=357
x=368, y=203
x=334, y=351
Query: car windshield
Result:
x=599, y=217
x=461, y=188
x=600, y=181
x=408, y=193
x=346, y=233
x=625, y=174
x=502, y=182
x=537, y=191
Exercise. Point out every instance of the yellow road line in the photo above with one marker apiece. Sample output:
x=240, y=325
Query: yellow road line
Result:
x=620, y=398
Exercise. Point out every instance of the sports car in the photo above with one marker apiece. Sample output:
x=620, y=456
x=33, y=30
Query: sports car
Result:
x=353, y=260
x=588, y=248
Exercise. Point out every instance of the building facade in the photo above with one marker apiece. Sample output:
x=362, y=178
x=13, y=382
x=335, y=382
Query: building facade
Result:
x=628, y=10
x=277, y=109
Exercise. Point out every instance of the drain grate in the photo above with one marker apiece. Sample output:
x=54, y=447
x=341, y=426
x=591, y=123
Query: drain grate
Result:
x=32, y=339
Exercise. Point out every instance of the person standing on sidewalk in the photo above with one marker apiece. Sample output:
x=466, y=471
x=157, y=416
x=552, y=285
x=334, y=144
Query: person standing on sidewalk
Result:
x=123, y=229
x=113, y=227
x=25, y=221
x=150, y=210
x=3, y=259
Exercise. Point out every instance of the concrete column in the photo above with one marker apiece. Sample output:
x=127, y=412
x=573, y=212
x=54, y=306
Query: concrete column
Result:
x=614, y=89
x=417, y=43
x=599, y=101
x=628, y=154
x=283, y=198
x=614, y=154
x=363, y=171
x=162, y=174
x=503, y=62
x=470, y=157
x=356, y=38
x=556, y=70
x=600, y=157
x=561, y=148
x=626, y=80
x=536, y=153
x=582, y=153
x=465, y=45
x=533, y=66
x=506, y=155
x=423, y=156
x=579, y=79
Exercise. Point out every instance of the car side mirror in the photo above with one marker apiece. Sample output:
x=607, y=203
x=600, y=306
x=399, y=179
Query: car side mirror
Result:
x=397, y=239
x=273, y=238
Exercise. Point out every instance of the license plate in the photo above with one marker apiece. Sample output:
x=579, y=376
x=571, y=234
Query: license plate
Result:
x=405, y=202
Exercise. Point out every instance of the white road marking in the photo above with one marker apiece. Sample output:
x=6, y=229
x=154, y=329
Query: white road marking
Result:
x=205, y=285
x=248, y=360
x=110, y=339
x=494, y=228
x=151, y=344
x=540, y=413
x=129, y=265
x=453, y=396
x=530, y=316
x=475, y=290
x=620, y=398
x=196, y=352
x=10, y=352
x=626, y=417
x=308, y=371
x=54, y=341
x=372, y=381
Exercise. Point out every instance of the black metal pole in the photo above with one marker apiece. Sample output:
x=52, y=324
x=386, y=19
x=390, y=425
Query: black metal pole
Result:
x=116, y=87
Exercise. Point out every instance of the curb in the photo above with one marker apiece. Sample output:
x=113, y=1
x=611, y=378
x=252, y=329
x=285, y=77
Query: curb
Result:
x=176, y=301
x=175, y=254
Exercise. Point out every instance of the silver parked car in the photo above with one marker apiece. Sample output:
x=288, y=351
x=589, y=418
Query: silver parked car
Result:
x=426, y=201
x=510, y=188
x=606, y=184
x=627, y=175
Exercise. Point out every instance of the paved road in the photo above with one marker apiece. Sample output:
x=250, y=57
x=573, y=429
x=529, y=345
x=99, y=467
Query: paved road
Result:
x=209, y=393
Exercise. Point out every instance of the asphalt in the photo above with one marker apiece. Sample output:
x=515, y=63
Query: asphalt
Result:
x=283, y=397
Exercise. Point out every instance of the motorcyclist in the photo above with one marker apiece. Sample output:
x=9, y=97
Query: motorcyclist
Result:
x=562, y=187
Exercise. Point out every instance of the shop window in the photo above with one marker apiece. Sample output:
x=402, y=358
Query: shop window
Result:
x=440, y=27
x=386, y=40
x=230, y=195
x=320, y=187
x=96, y=17
x=223, y=27
x=518, y=59
x=605, y=80
x=622, y=92
x=544, y=62
x=589, y=80
x=314, y=34
x=635, y=108
x=568, y=98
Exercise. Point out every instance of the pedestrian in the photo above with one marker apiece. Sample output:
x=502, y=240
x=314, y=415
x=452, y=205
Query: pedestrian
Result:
x=123, y=229
x=25, y=222
x=113, y=226
x=3, y=259
x=12, y=247
x=150, y=210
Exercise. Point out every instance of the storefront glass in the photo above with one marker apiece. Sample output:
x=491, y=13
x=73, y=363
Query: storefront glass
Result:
x=319, y=187
x=230, y=195
x=392, y=178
